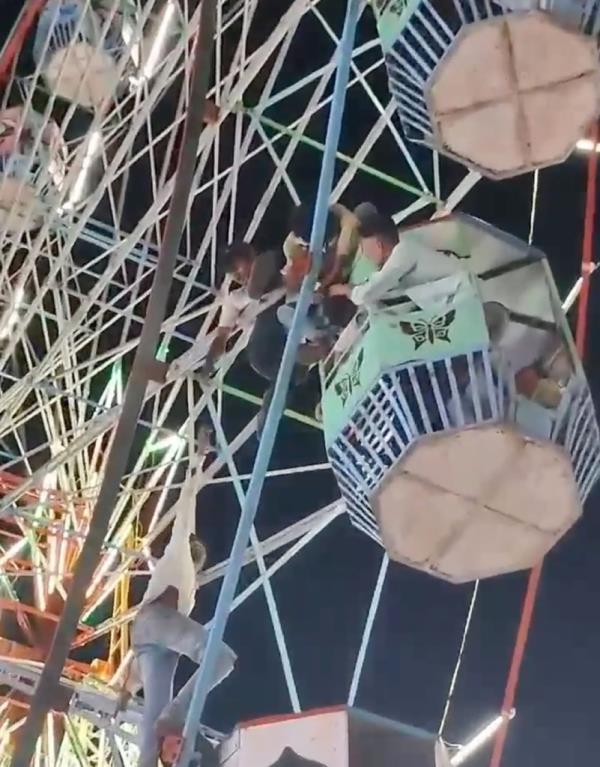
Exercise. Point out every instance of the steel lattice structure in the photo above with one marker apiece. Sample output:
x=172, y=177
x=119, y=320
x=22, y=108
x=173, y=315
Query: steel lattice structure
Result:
x=74, y=292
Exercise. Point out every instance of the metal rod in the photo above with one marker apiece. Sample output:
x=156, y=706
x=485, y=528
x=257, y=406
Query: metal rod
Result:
x=134, y=395
x=252, y=398
x=347, y=159
x=267, y=441
x=366, y=637
x=14, y=44
x=260, y=562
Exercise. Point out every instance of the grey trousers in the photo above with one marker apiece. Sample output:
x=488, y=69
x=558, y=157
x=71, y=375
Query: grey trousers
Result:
x=160, y=636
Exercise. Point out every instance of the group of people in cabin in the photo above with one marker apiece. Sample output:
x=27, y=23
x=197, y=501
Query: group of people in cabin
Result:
x=364, y=258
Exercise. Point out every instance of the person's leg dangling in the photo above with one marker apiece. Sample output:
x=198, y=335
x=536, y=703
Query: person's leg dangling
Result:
x=157, y=669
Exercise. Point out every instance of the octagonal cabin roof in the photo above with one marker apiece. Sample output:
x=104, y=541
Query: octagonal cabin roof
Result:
x=514, y=92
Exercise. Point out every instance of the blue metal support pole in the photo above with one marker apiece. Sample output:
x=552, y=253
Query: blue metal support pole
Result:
x=224, y=450
x=267, y=441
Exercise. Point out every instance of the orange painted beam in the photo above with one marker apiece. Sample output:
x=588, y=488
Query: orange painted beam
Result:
x=21, y=607
x=22, y=28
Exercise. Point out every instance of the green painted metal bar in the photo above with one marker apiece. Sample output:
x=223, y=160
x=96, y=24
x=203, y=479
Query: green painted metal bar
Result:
x=233, y=391
x=369, y=169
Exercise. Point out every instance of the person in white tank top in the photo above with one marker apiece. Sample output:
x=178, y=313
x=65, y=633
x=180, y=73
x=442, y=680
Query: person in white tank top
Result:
x=163, y=631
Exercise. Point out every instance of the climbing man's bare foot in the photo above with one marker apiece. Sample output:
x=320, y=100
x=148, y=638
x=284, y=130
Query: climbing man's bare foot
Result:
x=169, y=737
x=170, y=748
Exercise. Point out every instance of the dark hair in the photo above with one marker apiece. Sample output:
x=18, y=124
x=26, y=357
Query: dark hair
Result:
x=339, y=310
x=301, y=222
x=381, y=227
x=236, y=252
x=198, y=551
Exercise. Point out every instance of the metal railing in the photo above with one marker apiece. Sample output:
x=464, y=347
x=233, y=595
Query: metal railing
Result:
x=420, y=399
x=426, y=31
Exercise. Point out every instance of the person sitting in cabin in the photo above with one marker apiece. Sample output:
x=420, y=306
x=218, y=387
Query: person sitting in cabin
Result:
x=341, y=243
x=258, y=275
x=298, y=262
x=162, y=631
x=342, y=261
x=402, y=262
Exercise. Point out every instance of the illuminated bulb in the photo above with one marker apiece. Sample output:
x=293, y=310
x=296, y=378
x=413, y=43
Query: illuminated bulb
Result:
x=168, y=443
x=127, y=33
x=49, y=481
x=13, y=317
x=12, y=551
x=587, y=145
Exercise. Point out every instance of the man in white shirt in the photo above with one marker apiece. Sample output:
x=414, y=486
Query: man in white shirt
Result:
x=402, y=261
x=163, y=631
x=258, y=274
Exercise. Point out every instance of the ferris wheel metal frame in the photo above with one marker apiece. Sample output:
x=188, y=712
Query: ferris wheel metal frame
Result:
x=50, y=504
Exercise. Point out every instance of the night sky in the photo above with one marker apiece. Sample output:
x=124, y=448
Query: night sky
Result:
x=323, y=595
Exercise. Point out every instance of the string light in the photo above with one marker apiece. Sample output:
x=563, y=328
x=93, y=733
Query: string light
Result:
x=157, y=47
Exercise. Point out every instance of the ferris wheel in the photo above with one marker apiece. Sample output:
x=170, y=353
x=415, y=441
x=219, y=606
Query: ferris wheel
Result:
x=100, y=98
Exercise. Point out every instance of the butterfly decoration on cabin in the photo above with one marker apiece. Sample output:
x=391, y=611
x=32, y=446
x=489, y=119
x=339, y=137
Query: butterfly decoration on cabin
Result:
x=348, y=382
x=453, y=254
x=429, y=331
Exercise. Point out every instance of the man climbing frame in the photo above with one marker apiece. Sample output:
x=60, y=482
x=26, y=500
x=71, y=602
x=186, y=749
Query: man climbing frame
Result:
x=163, y=631
x=259, y=275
